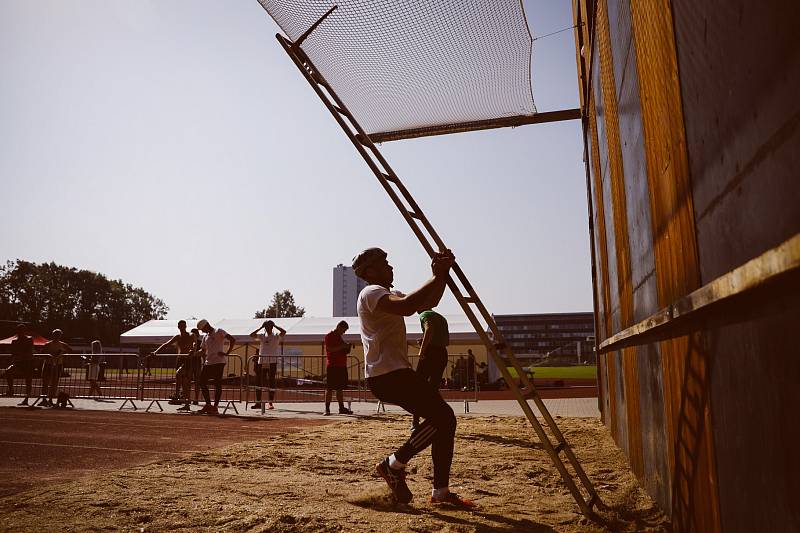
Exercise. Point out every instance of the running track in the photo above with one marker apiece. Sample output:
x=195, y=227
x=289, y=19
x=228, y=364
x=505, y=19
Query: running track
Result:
x=44, y=446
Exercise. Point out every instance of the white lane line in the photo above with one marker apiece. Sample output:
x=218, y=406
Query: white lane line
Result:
x=90, y=447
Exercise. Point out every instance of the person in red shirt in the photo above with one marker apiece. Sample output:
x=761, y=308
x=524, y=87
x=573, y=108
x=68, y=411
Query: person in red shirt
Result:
x=336, y=350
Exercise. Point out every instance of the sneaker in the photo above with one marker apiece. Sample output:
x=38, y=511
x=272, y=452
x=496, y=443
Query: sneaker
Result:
x=175, y=401
x=345, y=411
x=185, y=408
x=326, y=413
x=270, y=406
x=213, y=410
x=255, y=406
x=455, y=500
x=396, y=479
x=205, y=410
x=195, y=402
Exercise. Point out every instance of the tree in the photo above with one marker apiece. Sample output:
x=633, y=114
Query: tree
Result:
x=82, y=303
x=282, y=306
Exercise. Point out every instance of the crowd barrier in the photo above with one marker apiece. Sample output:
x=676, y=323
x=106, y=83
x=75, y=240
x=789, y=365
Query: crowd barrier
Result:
x=297, y=379
x=154, y=379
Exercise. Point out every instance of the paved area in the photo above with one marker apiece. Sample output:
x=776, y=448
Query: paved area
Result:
x=564, y=407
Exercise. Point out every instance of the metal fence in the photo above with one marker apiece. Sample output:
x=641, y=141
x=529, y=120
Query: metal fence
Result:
x=297, y=378
x=154, y=379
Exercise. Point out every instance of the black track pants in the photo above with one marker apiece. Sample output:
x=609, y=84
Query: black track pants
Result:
x=408, y=390
x=214, y=373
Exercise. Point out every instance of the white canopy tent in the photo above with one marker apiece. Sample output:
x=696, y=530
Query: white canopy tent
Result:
x=299, y=330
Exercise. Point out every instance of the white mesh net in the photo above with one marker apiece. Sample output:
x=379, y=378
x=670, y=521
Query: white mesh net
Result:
x=408, y=64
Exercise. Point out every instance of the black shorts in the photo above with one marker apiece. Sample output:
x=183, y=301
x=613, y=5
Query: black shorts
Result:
x=24, y=368
x=337, y=378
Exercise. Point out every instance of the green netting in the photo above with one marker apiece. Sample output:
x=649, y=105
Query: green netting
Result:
x=409, y=64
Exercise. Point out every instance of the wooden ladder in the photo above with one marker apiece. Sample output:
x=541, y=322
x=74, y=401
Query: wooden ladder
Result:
x=554, y=443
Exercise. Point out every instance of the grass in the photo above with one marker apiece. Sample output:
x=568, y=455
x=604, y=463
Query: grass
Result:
x=561, y=372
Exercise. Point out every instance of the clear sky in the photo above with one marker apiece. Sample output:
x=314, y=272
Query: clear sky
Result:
x=173, y=144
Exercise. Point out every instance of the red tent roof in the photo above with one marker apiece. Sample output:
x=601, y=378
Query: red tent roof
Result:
x=38, y=340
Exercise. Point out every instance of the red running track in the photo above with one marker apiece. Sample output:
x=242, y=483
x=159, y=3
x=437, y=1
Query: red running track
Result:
x=51, y=446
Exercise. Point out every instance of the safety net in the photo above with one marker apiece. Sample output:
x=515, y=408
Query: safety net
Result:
x=402, y=64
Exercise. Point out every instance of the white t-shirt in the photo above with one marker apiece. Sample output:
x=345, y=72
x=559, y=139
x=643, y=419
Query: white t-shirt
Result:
x=270, y=348
x=382, y=334
x=214, y=345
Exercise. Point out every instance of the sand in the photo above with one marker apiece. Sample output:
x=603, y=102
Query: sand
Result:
x=323, y=479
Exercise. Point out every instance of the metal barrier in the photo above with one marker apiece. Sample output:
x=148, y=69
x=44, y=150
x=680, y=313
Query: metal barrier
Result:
x=99, y=376
x=134, y=378
x=160, y=380
x=296, y=378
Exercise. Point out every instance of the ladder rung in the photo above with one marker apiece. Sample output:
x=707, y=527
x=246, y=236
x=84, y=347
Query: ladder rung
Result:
x=470, y=300
x=558, y=447
x=340, y=110
x=413, y=214
x=389, y=177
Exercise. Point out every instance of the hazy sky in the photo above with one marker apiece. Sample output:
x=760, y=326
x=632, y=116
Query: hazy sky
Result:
x=174, y=145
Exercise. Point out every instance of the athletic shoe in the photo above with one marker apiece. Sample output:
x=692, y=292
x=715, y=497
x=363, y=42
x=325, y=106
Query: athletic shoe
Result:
x=195, y=402
x=326, y=413
x=345, y=411
x=213, y=410
x=175, y=401
x=255, y=406
x=396, y=479
x=270, y=406
x=185, y=408
x=205, y=410
x=455, y=500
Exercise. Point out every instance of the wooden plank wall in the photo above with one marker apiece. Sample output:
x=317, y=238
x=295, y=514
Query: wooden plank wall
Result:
x=739, y=64
x=646, y=257
x=693, y=129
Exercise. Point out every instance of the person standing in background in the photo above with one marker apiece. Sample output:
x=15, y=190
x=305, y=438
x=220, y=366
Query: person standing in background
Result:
x=267, y=365
x=336, y=351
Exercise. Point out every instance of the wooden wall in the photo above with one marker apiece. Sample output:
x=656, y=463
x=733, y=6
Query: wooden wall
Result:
x=693, y=138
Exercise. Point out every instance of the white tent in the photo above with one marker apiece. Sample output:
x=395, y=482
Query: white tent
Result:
x=299, y=330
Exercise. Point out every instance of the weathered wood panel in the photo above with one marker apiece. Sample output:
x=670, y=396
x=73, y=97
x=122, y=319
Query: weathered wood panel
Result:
x=629, y=425
x=650, y=429
x=694, y=501
x=739, y=66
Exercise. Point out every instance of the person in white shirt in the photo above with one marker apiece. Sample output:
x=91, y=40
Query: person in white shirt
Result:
x=267, y=362
x=212, y=347
x=391, y=378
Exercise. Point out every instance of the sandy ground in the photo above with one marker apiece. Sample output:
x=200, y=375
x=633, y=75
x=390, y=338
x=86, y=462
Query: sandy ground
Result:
x=322, y=479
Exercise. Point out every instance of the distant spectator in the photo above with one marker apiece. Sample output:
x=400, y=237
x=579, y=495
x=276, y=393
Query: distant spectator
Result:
x=470, y=370
x=53, y=366
x=267, y=362
x=215, y=359
x=185, y=343
x=22, y=363
x=336, y=351
x=94, y=368
x=195, y=363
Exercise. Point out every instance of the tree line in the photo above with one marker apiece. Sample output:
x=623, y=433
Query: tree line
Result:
x=84, y=304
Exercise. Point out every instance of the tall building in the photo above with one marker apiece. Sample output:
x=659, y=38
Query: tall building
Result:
x=346, y=286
